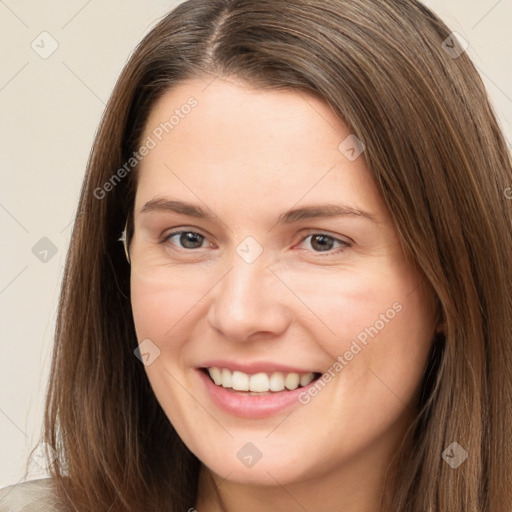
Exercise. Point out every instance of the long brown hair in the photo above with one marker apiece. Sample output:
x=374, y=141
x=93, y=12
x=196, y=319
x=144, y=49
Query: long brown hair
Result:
x=442, y=166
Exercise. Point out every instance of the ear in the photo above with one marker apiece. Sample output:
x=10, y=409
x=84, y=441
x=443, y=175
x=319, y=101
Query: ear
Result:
x=441, y=327
x=123, y=239
x=441, y=323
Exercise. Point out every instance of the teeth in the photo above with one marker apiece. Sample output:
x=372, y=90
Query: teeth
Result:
x=306, y=379
x=216, y=375
x=276, y=382
x=292, y=381
x=259, y=382
x=239, y=381
x=226, y=378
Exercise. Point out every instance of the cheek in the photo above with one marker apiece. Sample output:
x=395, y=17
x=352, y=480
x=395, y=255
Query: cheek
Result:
x=160, y=310
x=148, y=310
x=385, y=338
x=343, y=306
x=377, y=326
x=162, y=314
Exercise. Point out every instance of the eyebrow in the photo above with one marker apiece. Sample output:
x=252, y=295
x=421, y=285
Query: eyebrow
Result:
x=319, y=211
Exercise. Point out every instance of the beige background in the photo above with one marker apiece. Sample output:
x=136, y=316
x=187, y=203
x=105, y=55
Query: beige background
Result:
x=49, y=112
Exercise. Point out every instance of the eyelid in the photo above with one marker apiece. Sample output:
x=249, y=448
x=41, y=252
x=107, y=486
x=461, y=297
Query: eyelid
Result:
x=339, y=238
x=178, y=231
x=332, y=252
x=345, y=244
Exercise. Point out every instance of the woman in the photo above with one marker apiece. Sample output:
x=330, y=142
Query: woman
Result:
x=310, y=309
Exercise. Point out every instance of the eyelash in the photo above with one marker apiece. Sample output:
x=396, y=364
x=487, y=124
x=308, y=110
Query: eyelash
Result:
x=344, y=244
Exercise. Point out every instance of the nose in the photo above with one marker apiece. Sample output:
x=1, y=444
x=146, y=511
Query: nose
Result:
x=249, y=302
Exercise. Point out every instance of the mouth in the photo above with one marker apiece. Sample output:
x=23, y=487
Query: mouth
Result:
x=261, y=383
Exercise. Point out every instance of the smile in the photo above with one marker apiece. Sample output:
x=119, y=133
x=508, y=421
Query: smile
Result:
x=274, y=398
x=261, y=382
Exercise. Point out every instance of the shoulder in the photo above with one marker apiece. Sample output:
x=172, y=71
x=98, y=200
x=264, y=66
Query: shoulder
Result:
x=31, y=496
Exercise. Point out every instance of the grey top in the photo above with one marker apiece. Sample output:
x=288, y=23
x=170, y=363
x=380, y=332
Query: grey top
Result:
x=31, y=496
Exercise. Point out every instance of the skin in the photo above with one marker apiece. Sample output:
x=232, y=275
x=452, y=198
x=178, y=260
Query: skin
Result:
x=248, y=155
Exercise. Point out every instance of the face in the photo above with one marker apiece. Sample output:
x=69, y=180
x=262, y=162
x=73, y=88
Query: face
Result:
x=263, y=248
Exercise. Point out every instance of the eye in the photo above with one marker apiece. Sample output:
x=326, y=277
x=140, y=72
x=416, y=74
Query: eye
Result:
x=323, y=242
x=187, y=239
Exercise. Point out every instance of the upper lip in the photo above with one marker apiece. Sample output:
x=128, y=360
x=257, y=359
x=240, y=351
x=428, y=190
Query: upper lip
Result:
x=255, y=367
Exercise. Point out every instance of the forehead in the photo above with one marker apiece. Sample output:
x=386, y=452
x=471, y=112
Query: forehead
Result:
x=227, y=111
x=256, y=147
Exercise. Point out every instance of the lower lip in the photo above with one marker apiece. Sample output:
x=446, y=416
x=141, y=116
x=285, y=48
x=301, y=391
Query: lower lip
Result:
x=251, y=406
